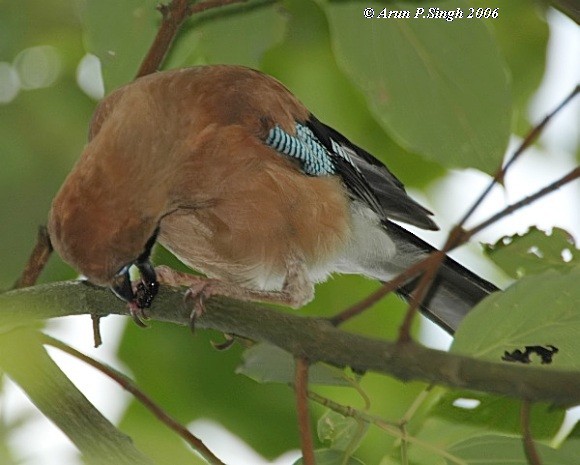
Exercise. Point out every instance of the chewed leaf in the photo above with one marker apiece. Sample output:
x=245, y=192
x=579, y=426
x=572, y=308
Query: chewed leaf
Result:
x=266, y=363
x=542, y=310
x=534, y=252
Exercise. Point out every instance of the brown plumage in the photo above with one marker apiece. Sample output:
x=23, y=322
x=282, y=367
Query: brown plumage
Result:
x=172, y=150
x=181, y=156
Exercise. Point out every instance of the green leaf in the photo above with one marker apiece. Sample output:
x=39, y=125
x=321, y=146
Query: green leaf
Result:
x=499, y=450
x=522, y=34
x=537, y=310
x=497, y=414
x=331, y=457
x=534, y=252
x=444, y=442
x=266, y=363
x=343, y=433
x=120, y=34
x=440, y=88
x=238, y=34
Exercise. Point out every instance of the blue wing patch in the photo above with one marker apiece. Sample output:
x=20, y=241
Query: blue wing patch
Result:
x=324, y=157
x=305, y=147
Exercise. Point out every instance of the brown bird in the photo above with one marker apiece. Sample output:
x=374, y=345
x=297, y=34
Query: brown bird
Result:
x=231, y=173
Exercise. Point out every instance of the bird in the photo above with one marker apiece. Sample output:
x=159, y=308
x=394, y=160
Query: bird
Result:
x=229, y=171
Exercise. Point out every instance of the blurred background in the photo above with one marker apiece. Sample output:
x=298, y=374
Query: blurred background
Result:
x=49, y=86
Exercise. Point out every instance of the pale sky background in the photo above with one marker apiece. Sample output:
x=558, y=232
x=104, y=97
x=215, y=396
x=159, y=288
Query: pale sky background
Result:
x=536, y=169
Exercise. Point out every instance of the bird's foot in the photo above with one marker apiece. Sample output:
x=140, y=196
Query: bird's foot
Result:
x=199, y=291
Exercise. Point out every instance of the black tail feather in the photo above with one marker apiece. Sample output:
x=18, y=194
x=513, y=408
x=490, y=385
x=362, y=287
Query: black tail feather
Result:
x=454, y=291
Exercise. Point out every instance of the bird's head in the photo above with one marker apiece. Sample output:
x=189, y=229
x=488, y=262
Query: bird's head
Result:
x=103, y=245
x=105, y=218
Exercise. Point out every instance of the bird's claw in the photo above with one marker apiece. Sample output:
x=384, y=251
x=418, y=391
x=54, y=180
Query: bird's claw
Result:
x=144, y=295
x=138, y=314
x=198, y=293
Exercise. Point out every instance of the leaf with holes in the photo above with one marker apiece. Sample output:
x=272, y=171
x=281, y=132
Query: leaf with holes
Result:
x=534, y=252
x=537, y=310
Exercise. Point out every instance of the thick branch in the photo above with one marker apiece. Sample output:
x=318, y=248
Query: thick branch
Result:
x=313, y=338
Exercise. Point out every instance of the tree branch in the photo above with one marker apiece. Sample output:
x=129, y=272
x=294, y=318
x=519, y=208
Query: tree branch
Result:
x=174, y=15
x=313, y=338
x=60, y=401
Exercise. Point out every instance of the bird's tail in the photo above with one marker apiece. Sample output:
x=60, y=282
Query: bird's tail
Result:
x=454, y=291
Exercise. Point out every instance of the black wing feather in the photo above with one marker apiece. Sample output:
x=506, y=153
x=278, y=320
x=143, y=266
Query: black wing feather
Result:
x=370, y=181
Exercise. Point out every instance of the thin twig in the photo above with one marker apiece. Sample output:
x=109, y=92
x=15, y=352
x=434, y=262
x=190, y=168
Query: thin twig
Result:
x=406, y=418
x=390, y=428
x=301, y=388
x=418, y=295
x=128, y=384
x=385, y=289
x=571, y=176
x=529, y=446
x=528, y=140
x=412, y=410
x=174, y=15
x=97, y=338
x=37, y=260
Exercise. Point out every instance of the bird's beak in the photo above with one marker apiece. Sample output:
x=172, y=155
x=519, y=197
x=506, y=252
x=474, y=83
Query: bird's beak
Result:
x=146, y=290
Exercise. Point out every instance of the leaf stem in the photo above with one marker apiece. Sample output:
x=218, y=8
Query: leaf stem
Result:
x=301, y=389
x=529, y=446
x=128, y=384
